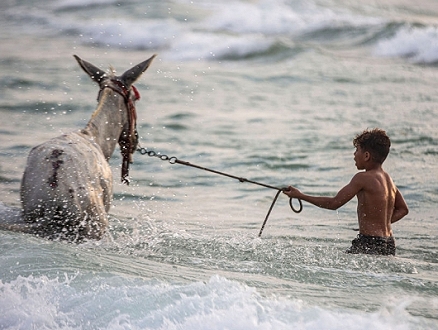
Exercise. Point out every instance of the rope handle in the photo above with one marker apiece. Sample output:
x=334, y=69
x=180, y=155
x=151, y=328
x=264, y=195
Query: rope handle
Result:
x=292, y=206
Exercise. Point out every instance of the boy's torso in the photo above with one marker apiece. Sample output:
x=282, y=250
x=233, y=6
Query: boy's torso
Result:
x=376, y=203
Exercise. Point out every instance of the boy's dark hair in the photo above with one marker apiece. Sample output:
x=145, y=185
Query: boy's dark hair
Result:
x=376, y=142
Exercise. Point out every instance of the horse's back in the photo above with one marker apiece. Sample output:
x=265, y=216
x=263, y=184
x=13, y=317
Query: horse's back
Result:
x=66, y=180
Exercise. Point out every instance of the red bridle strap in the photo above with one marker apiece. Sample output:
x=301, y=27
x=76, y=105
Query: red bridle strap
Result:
x=128, y=143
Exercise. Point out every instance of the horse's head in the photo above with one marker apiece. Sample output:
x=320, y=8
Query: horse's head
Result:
x=123, y=85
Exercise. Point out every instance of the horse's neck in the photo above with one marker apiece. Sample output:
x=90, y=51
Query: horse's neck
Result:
x=106, y=123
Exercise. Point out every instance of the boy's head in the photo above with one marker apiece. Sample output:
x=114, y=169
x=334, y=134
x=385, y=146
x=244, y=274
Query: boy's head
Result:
x=376, y=142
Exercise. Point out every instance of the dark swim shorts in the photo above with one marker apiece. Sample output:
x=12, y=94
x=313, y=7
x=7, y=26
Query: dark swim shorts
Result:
x=372, y=245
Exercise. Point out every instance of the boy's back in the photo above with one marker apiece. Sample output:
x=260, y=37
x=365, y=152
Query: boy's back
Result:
x=375, y=203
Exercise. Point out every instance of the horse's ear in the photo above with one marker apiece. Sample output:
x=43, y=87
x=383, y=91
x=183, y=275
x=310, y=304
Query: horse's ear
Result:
x=131, y=75
x=94, y=72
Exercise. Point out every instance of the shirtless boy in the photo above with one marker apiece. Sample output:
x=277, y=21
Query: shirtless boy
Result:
x=380, y=203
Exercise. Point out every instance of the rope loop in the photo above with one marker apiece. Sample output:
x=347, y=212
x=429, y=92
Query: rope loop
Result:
x=293, y=208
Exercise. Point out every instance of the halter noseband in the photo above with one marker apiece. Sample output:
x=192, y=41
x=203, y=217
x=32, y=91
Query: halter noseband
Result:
x=128, y=141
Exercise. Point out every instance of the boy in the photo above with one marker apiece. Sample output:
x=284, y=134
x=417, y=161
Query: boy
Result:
x=380, y=203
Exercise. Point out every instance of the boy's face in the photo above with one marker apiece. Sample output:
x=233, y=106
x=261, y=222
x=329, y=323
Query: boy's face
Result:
x=360, y=157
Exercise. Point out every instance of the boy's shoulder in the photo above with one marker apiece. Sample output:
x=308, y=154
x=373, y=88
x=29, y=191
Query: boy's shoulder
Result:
x=371, y=177
x=366, y=176
x=362, y=175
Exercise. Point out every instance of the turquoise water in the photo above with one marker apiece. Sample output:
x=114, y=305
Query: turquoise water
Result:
x=273, y=91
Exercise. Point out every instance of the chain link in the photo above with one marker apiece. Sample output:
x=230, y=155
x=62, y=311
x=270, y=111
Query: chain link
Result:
x=151, y=153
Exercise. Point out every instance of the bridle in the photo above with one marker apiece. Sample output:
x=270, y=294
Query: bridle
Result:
x=128, y=140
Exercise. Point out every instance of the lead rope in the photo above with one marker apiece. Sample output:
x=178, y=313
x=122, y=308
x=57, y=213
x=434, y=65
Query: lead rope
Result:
x=174, y=160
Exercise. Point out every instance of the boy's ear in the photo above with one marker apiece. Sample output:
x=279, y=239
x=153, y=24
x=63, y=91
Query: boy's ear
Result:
x=367, y=156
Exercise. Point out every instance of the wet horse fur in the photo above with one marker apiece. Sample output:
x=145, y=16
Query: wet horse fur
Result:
x=67, y=186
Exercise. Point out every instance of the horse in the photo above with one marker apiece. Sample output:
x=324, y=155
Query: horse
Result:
x=67, y=185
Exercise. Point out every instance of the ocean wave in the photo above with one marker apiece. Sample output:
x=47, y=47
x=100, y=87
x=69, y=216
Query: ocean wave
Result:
x=232, y=30
x=122, y=303
x=177, y=41
x=282, y=18
x=116, y=302
x=419, y=44
x=228, y=31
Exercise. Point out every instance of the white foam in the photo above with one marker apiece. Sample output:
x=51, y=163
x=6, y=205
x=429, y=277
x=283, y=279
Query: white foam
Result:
x=126, y=303
x=32, y=303
x=420, y=45
x=281, y=17
x=267, y=17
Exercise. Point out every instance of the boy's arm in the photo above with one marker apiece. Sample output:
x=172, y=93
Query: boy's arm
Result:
x=400, y=207
x=332, y=203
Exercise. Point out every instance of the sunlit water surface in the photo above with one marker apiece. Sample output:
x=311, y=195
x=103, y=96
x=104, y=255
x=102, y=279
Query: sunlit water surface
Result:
x=273, y=91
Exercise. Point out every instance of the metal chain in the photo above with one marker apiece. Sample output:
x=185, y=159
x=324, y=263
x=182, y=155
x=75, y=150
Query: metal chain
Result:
x=151, y=153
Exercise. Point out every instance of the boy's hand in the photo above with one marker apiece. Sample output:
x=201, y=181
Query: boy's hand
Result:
x=292, y=192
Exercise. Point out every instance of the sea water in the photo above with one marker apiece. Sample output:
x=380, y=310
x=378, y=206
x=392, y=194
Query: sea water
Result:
x=272, y=91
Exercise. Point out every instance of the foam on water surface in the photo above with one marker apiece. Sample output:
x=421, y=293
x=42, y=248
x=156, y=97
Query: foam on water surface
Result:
x=129, y=303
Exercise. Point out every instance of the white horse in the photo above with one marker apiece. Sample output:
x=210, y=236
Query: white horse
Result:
x=67, y=186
